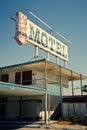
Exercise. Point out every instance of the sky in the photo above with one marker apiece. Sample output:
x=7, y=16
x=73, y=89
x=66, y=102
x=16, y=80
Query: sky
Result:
x=68, y=17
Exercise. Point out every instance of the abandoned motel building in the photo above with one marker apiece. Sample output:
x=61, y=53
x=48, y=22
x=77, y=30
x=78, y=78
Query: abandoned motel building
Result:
x=38, y=91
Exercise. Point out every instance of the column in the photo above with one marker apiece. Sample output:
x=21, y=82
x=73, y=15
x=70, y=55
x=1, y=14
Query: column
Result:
x=20, y=107
x=81, y=84
x=36, y=53
x=72, y=82
x=47, y=55
x=0, y=74
x=60, y=81
x=46, y=120
x=48, y=107
x=61, y=96
x=57, y=60
x=65, y=63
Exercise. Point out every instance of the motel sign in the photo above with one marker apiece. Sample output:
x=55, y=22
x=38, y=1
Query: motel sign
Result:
x=29, y=32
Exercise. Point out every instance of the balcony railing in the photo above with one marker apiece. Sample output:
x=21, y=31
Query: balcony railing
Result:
x=53, y=86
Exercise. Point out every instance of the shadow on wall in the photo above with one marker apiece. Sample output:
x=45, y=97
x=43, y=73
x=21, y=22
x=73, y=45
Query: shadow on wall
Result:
x=57, y=113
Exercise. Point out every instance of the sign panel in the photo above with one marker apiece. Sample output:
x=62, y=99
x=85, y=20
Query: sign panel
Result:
x=29, y=32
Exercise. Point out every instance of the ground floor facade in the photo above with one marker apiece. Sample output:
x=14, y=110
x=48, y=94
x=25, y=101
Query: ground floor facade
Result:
x=32, y=108
x=27, y=108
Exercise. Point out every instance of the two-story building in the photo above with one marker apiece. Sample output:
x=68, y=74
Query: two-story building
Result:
x=34, y=90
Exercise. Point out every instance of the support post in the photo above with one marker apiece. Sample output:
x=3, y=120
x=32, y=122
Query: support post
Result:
x=21, y=77
x=49, y=108
x=20, y=107
x=72, y=82
x=0, y=74
x=61, y=96
x=72, y=91
x=46, y=120
x=36, y=53
x=57, y=60
x=81, y=84
x=47, y=55
x=60, y=82
x=65, y=64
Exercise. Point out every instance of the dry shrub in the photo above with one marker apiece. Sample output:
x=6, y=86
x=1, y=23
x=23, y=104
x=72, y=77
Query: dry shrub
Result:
x=64, y=123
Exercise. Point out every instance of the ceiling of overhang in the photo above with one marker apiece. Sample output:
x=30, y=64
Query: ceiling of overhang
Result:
x=17, y=93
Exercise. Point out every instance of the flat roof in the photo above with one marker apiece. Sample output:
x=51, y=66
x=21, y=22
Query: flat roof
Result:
x=51, y=68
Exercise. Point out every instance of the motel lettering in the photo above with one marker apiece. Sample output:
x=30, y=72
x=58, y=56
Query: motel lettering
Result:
x=46, y=40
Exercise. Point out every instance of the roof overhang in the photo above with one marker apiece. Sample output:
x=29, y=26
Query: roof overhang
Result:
x=19, y=90
x=51, y=68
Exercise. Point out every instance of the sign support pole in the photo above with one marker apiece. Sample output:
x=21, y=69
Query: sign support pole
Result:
x=47, y=55
x=57, y=60
x=36, y=53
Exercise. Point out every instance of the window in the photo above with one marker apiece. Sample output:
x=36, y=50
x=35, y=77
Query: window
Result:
x=4, y=78
x=27, y=77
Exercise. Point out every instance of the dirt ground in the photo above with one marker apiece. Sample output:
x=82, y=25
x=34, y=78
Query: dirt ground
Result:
x=57, y=127
x=68, y=125
x=54, y=126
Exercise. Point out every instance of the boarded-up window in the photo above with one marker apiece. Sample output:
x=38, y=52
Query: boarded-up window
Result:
x=4, y=78
x=27, y=77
